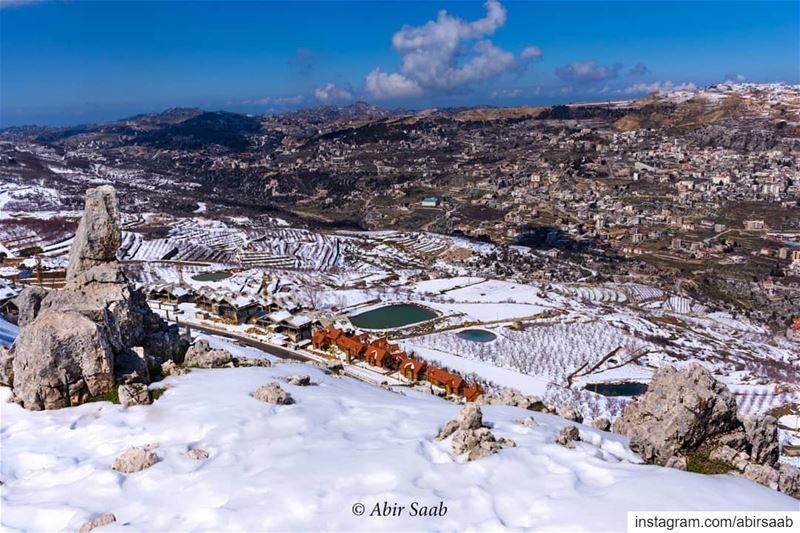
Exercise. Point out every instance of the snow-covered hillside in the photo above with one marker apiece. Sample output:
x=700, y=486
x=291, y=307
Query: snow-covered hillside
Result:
x=304, y=466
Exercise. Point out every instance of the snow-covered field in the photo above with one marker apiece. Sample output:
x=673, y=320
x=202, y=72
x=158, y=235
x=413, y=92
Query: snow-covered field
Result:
x=304, y=466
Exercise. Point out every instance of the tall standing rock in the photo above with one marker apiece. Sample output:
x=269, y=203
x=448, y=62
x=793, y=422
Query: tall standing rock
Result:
x=98, y=236
x=95, y=333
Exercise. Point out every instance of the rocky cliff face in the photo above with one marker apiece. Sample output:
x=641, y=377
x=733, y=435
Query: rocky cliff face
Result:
x=95, y=333
x=687, y=412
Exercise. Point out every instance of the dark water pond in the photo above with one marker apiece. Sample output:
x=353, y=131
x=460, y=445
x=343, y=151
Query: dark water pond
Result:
x=477, y=335
x=212, y=276
x=392, y=316
x=618, y=389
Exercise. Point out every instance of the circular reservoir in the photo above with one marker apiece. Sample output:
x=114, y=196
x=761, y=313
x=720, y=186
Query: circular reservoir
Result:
x=476, y=335
x=219, y=275
x=630, y=388
x=392, y=316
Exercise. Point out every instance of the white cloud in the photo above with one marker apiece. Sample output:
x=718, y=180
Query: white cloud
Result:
x=439, y=56
x=531, y=53
x=279, y=100
x=383, y=85
x=330, y=92
x=587, y=71
x=735, y=78
x=505, y=93
x=658, y=87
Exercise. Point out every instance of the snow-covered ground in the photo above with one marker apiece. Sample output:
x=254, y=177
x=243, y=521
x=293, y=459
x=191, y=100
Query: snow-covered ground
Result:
x=304, y=466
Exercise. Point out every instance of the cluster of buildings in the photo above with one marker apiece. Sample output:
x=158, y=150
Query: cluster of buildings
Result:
x=381, y=353
x=280, y=315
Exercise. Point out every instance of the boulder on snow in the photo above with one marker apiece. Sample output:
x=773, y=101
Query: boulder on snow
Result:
x=197, y=454
x=528, y=421
x=272, y=393
x=570, y=412
x=102, y=520
x=478, y=443
x=201, y=355
x=134, y=394
x=299, y=381
x=513, y=398
x=470, y=417
x=568, y=436
x=602, y=424
x=679, y=411
x=134, y=460
x=98, y=236
x=678, y=462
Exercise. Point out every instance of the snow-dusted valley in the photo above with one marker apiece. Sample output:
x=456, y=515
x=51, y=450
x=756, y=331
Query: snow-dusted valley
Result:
x=551, y=347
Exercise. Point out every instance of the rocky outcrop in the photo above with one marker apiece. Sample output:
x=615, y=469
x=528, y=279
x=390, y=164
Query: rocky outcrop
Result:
x=134, y=460
x=478, y=443
x=28, y=302
x=679, y=412
x=94, y=334
x=469, y=435
x=514, y=398
x=98, y=236
x=688, y=412
x=273, y=393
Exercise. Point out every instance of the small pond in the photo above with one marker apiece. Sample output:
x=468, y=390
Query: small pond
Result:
x=219, y=275
x=476, y=335
x=392, y=316
x=630, y=388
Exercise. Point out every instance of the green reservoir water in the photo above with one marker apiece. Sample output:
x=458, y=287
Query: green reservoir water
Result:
x=476, y=335
x=212, y=276
x=392, y=316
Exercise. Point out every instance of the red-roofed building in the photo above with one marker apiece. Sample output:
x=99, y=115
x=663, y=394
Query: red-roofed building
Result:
x=452, y=383
x=472, y=392
x=409, y=367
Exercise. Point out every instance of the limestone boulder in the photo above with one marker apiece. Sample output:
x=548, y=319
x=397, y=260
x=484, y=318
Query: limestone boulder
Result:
x=568, y=436
x=98, y=235
x=102, y=520
x=762, y=438
x=679, y=411
x=299, y=381
x=570, y=412
x=201, y=355
x=134, y=394
x=273, y=393
x=61, y=359
x=6, y=367
x=28, y=302
x=134, y=460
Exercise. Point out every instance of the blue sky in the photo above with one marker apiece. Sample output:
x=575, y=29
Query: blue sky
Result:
x=72, y=62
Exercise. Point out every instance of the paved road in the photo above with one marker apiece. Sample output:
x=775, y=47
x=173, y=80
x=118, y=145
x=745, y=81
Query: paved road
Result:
x=277, y=351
